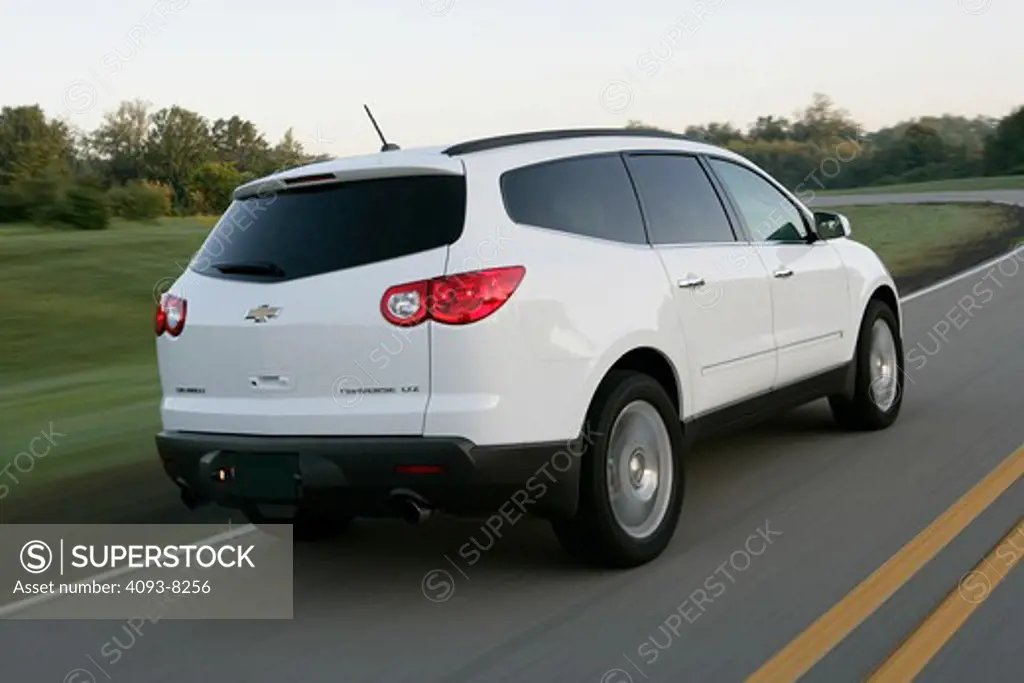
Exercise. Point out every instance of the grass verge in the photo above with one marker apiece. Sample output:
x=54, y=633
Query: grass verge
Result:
x=922, y=238
x=77, y=346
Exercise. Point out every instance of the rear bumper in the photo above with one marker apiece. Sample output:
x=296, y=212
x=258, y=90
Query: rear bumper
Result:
x=359, y=475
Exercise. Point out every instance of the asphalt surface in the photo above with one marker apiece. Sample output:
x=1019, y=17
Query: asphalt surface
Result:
x=996, y=196
x=786, y=517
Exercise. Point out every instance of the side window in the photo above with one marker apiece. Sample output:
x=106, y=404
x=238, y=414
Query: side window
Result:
x=681, y=204
x=770, y=215
x=589, y=196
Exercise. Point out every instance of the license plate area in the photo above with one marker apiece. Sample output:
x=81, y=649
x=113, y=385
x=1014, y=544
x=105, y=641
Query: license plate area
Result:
x=263, y=476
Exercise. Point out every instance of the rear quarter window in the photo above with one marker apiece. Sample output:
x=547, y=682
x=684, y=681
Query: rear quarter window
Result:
x=316, y=230
x=590, y=196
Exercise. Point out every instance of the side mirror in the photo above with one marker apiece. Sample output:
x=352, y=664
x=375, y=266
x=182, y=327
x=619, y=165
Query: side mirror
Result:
x=831, y=225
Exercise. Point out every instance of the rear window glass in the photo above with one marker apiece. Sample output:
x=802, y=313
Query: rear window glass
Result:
x=314, y=230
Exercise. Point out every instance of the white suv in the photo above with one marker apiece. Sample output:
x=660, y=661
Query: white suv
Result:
x=529, y=324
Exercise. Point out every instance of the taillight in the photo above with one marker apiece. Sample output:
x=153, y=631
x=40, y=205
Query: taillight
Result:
x=161, y=319
x=170, y=315
x=469, y=297
x=453, y=299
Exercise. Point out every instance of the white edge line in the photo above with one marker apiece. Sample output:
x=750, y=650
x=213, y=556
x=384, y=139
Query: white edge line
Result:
x=22, y=605
x=241, y=531
x=960, y=276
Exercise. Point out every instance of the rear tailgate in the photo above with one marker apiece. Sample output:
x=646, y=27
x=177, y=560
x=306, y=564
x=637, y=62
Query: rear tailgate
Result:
x=284, y=333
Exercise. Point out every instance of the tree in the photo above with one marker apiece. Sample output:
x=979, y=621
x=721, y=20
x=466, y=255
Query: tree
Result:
x=919, y=153
x=238, y=141
x=288, y=153
x=770, y=129
x=823, y=124
x=87, y=168
x=956, y=131
x=33, y=147
x=922, y=146
x=636, y=124
x=121, y=140
x=179, y=142
x=1004, y=151
x=714, y=133
x=788, y=161
x=212, y=185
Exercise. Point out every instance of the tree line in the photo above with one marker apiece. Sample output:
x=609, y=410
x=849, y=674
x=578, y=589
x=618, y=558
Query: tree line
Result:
x=822, y=147
x=137, y=164
x=142, y=164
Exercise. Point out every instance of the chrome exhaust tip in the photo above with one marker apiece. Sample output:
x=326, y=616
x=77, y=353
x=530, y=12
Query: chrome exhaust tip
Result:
x=415, y=509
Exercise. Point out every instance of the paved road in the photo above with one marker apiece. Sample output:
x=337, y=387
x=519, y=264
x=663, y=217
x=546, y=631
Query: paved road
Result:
x=781, y=522
x=998, y=196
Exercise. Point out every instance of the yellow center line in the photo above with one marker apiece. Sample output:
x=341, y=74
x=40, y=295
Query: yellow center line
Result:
x=913, y=655
x=807, y=649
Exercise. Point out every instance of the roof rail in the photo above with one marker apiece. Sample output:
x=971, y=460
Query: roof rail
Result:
x=484, y=144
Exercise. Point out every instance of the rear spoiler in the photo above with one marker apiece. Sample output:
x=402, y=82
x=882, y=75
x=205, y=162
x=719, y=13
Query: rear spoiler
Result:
x=393, y=164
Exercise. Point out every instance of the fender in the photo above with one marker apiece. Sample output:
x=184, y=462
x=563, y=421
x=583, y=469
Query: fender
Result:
x=669, y=337
x=866, y=276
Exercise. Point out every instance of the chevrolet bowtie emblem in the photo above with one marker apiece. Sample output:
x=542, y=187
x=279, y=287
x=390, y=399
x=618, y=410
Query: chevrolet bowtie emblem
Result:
x=262, y=314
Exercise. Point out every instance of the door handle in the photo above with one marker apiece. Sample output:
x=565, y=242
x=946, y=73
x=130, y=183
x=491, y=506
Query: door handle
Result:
x=783, y=272
x=694, y=281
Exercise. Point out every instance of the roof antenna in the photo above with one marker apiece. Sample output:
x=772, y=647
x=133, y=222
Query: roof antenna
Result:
x=386, y=146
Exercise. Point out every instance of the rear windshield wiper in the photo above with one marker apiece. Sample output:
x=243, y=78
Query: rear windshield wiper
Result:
x=250, y=268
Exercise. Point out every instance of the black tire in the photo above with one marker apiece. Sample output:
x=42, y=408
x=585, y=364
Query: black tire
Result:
x=305, y=528
x=593, y=535
x=861, y=413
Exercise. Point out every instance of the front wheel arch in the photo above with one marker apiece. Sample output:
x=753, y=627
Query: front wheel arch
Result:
x=856, y=408
x=885, y=295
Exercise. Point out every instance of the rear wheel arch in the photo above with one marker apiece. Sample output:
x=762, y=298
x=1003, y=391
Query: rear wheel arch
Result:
x=645, y=360
x=596, y=532
x=653, y=363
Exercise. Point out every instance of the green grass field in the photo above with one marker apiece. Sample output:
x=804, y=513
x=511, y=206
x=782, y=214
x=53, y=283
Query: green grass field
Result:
x=77, y=339
x=1013, y=182
x=916, y=237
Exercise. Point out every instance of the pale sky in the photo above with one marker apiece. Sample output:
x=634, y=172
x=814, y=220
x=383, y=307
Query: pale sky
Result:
x=438, y=71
